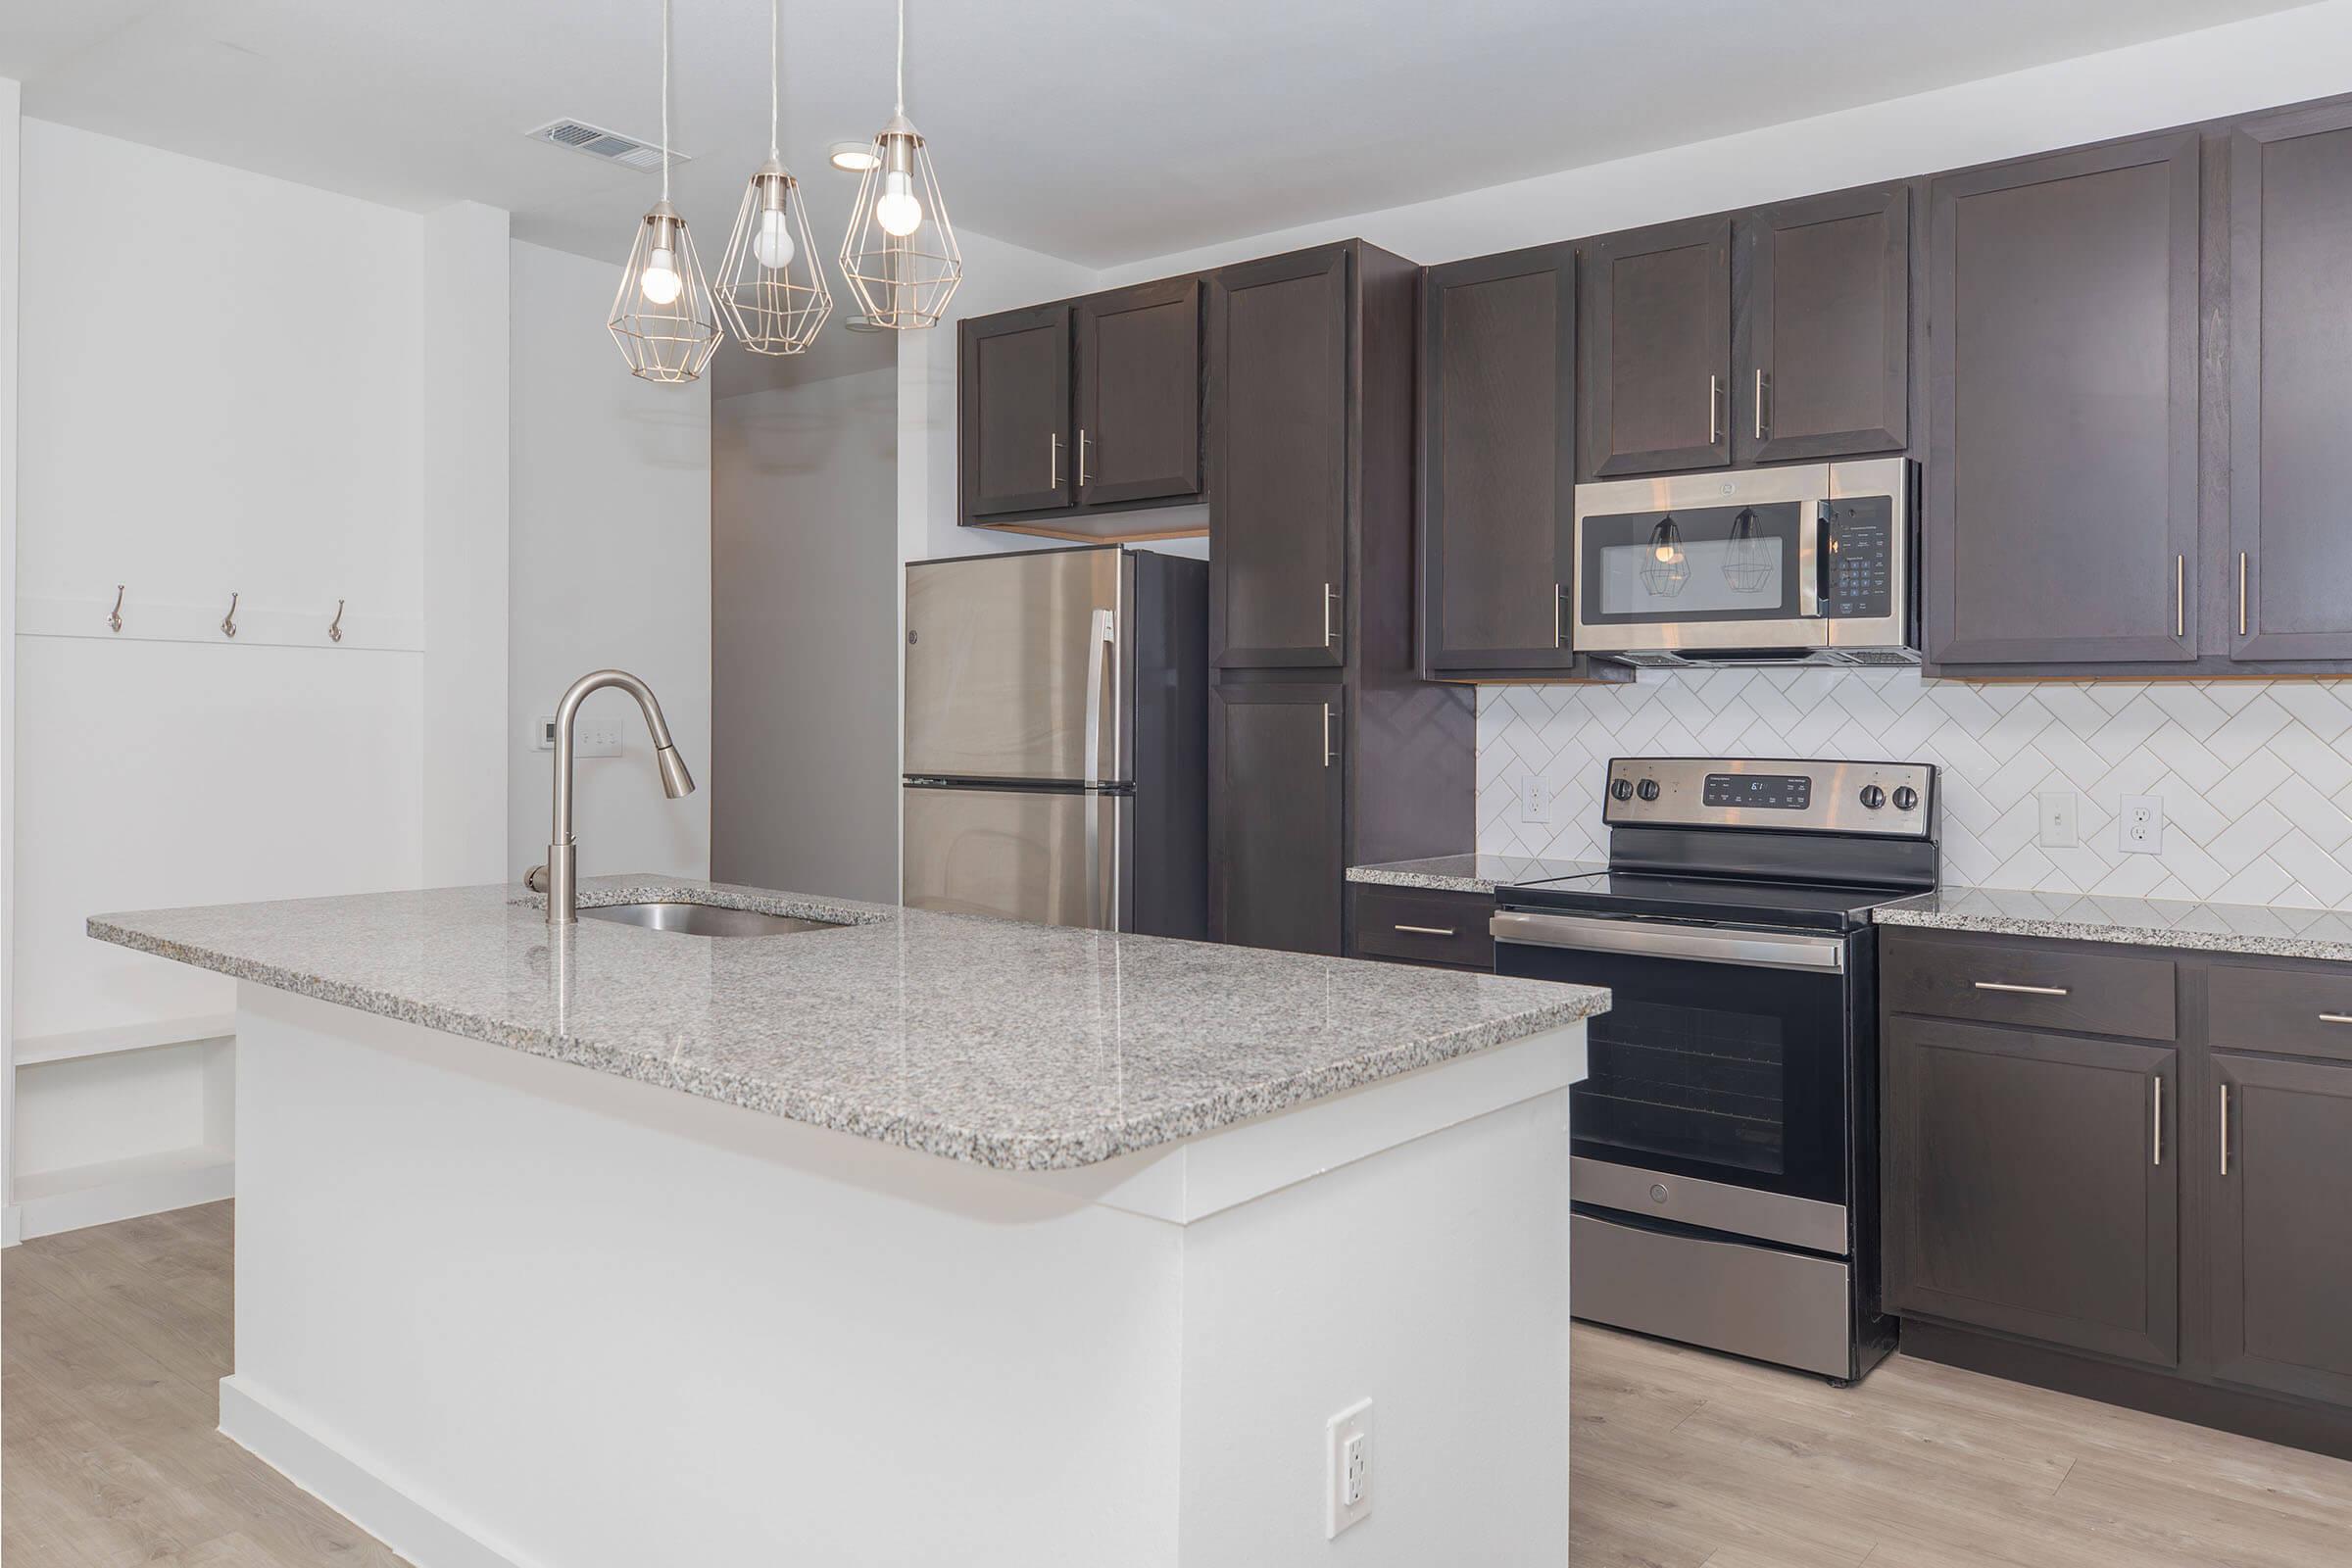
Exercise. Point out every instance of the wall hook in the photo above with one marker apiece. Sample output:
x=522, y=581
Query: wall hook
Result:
x=113, y=621
x=228, y=622
x=335, y=629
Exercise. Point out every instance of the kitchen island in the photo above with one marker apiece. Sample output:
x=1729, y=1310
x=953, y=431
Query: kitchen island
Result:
x=907, y=1239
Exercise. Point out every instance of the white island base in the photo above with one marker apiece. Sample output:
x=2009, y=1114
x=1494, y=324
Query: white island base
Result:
x=504, y=1312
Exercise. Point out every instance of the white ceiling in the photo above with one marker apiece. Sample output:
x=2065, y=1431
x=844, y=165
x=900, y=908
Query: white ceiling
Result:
x=1100, y=131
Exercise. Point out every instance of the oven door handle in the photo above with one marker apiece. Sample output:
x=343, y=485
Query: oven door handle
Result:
x=1761, y=949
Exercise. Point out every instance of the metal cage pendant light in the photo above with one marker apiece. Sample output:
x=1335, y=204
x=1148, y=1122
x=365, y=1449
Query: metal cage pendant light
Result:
x=899, y=255
x=771, y=283
x=664, y=318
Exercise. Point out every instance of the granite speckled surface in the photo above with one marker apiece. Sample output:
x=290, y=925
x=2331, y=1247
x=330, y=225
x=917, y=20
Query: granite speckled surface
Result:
x=1470, y=874
x=994, y=1042
x=2266, y=930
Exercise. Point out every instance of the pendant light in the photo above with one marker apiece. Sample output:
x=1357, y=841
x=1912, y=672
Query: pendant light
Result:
x=900, y=254
x=771, y=283
x=662, y=318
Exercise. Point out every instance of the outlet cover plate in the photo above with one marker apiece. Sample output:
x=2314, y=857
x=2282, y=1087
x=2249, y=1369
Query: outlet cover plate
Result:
x=2139, y=824
x=1346, y=1468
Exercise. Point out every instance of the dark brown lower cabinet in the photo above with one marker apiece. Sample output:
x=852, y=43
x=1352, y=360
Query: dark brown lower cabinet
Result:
x=1277, y=846
x=2281, y=1225
x=2033, y=1185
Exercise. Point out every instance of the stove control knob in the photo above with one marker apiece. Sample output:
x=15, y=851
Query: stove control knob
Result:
x=1906, y=799
x=1873, y=796
x=1623, y=789
x=1649, y=790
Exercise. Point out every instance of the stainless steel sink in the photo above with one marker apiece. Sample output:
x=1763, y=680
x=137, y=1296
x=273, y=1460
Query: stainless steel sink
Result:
x=704, y=919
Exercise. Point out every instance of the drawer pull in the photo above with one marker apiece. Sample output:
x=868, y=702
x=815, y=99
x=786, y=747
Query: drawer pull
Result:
x=2225, y=1129
x=1428, y=930
x=2159, y=1121
x=2033, y=990
x=2336, y=1017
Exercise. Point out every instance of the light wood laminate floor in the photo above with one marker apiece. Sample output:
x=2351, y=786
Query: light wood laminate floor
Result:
x=115, y=1337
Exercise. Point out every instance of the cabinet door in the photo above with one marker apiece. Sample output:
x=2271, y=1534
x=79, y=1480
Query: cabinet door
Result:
x=1139, y=393
x=2061, y=519
x=1658, y=349
x=1012, y=398
x=1279, y=434
x=2281, y=1239
x=1277, y=856
x=1499, y=460
x=1829, y=328
x=2290, y=371
x=2031, y=1186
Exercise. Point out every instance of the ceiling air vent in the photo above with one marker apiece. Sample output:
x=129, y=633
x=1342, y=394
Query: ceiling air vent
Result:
x=611, y=146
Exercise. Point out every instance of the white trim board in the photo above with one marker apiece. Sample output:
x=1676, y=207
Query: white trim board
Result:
x=51, y=1201
x=72, y=1045
x=328, y=1471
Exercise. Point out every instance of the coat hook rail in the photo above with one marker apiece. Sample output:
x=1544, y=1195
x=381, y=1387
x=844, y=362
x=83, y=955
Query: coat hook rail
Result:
x=113, y=621
x=228, y=622
x=334, y=629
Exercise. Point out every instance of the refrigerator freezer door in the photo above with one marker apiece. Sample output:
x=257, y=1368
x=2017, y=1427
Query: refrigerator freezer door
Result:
x=1057, y=858
x=1012, y=667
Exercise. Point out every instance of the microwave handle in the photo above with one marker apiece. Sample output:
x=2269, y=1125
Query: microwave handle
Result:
x=1812, y=557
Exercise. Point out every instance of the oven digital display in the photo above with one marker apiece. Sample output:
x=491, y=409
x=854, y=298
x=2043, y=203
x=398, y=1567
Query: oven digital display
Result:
x=1771, y=792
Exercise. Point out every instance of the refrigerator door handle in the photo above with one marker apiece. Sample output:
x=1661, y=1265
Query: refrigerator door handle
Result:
x=1102, y=666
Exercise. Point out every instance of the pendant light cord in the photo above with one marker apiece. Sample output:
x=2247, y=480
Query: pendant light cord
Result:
x=775, y=76
x=665, y=100
x=902, y=56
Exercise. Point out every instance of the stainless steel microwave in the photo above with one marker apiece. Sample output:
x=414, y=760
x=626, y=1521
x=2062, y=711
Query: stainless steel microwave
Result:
x=1810, y=564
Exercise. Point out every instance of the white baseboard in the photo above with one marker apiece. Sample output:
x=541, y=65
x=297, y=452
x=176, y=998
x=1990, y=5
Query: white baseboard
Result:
x=50, y=1201
x=351, y=1488
x=12, y=1225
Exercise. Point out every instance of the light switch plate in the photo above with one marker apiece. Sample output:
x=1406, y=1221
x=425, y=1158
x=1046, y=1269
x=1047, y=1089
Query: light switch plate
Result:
x=590, y=737
x=2057, y=817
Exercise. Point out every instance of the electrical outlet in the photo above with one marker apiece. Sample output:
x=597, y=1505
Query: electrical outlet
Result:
x=2143, y=824
x=1534, y=800
x=1347, y=1450
x=2058, y=820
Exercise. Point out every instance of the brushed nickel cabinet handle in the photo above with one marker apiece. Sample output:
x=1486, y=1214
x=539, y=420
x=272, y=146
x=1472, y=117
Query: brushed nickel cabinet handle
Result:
x=1428, y=930
x=1559, y=635
x=2022, y=991
x=1330, y=601
x=1327, y=754
x=2242, y=593
x=1759, y=405
x=2159, y=1121
x=1082, y=457
x=1714, y=409
x=2225, y=1129
x=2336, y=1017
x=1052, y=460
x=2180, y=595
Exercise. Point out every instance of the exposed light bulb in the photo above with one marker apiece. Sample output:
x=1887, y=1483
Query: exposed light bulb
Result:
x=772, y=243
x=660, y=282
x=1664, y=552
x=896, y=210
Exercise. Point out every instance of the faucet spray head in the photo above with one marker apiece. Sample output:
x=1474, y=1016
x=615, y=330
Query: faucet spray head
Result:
x=676, y=782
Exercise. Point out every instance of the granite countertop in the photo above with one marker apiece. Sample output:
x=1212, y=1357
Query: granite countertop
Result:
x=1470, y=874
x=2267, y=930
x=994, y=1042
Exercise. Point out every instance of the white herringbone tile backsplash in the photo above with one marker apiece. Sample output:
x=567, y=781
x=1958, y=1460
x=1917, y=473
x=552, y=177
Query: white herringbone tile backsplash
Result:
x=2255, y=776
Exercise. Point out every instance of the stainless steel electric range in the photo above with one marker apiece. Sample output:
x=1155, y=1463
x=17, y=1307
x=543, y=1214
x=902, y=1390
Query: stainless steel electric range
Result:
x=1725, y=1179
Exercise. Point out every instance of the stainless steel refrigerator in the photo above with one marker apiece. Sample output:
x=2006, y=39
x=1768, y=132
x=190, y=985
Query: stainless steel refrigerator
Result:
x=1056, y=739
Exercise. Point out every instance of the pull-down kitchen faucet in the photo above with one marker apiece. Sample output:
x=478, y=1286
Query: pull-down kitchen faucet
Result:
x=562, y=850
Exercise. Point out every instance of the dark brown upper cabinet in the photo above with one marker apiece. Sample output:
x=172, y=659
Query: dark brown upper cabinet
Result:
x=1014, y=406
x=2062, y=482
x=2033, y=1185
x=1279, y=461
x=1499, y=465
x=2290, y=391
x=1139, y=394
x=2282, y=1236
x=1657, y=379
x=1277, y=846
x=1827, y=363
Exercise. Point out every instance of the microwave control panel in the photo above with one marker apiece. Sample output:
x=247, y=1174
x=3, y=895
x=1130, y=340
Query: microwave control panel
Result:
x=1857, y=556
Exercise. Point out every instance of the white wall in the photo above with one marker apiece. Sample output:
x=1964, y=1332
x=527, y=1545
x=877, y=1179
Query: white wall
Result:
x=463, y=315
x=9, y=137
x=804, y=777
x=609, y=565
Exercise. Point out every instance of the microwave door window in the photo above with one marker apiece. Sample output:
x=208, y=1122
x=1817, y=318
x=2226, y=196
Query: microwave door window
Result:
x=1700, y=563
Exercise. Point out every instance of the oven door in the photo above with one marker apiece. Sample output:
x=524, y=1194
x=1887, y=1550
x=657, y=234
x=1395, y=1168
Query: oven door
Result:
x=1716, y=1095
